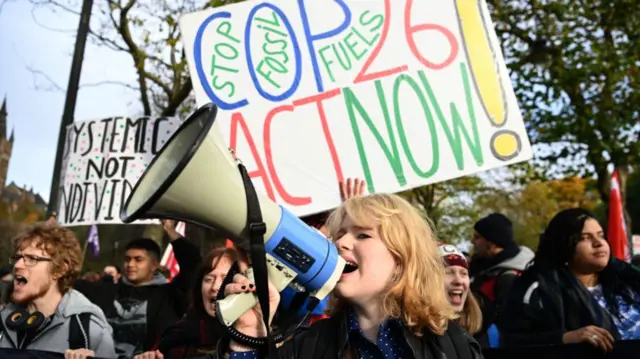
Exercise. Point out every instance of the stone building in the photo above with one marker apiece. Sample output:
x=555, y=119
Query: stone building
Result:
x=12, y=193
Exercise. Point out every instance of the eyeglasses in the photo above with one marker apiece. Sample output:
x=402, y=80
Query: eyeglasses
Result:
x=29, y=260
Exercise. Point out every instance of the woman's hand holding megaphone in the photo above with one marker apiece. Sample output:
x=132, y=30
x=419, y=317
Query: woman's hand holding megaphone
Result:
x=250, y=323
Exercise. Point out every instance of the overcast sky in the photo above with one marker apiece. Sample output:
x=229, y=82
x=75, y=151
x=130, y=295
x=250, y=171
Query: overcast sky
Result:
x=33, y=102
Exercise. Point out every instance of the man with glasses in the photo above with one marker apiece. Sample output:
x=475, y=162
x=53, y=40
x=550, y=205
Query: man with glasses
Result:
x=45, y=313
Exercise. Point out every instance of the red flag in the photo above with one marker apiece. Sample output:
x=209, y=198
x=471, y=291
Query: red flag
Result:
x=171, y=263
x=168, y=259
x=617, y=231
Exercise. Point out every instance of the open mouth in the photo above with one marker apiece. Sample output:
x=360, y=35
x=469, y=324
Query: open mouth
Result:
x=19, y=280
x=349, y=267
x=456, y=296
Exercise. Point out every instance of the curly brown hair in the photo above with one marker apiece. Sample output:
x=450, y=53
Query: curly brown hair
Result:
x=61, y=245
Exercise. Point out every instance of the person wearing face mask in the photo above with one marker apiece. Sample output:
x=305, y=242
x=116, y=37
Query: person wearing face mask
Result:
x=144, y=303
x=574, y=291
x=462, y=299
x=45, y=313
x=198, y=332
x=388, y=303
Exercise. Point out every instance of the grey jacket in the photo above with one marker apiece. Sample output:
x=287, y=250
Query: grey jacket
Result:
x=55, y=337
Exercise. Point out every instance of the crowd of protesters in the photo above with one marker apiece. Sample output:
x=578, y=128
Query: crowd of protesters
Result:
x=405, y=292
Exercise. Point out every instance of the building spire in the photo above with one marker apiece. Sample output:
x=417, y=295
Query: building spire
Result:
x=3, y=109
x=3, y=118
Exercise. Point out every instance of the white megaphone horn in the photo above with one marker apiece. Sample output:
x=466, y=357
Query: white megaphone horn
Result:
x=195, y=178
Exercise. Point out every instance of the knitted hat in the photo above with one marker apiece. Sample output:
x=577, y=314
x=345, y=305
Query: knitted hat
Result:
x=452, y=256
x=497, y=229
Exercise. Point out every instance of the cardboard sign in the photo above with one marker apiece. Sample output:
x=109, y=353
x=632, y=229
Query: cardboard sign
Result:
x=103, y=160
x=402, y=94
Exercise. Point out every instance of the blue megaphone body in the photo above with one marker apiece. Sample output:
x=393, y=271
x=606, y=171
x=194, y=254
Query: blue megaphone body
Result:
x=195, y=178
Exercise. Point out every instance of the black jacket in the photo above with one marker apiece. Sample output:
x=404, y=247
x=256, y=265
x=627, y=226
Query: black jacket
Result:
x=194, y=336
x=140, y=314
x=328, y=339
x=543, y=305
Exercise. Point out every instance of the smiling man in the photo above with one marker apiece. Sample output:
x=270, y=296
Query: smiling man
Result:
x=143, y=303
x=46, y=262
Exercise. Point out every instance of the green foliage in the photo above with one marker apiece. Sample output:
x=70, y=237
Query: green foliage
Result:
x=449, y=205
x=523, y=195
x=575, y=71
x=633, y=201
x=531, y=207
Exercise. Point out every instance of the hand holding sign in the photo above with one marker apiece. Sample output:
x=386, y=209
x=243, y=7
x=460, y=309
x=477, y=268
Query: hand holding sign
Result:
x=52, y=220
x=169, y=226
x=352, y=188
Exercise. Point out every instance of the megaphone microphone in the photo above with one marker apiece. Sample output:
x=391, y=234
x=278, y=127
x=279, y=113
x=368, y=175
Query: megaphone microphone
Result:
x=195, y=178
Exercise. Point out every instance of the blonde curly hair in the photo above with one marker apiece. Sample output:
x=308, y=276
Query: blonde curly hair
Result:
x=417, y=297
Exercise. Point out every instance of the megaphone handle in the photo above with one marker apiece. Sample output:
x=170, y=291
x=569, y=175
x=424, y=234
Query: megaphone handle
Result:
x=235, y=305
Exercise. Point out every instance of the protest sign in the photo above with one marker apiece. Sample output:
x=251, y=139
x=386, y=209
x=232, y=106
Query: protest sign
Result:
x=401, y=94
x=103, y=160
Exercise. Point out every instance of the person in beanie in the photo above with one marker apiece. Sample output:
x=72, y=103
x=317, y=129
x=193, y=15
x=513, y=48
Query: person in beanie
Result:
x=460, y=296
x=497, y=261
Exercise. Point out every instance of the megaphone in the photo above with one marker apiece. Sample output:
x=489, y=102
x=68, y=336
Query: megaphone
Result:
x=195, y=178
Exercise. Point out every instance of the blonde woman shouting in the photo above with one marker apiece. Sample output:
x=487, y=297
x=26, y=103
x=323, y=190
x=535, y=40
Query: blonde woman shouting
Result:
x=389, y=303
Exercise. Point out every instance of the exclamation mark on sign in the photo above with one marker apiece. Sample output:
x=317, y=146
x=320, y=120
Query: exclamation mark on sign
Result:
x=505, y=144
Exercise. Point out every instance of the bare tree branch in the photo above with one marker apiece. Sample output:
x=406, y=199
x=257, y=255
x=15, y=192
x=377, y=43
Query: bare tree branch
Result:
x=35, y=19
x=109, y=83
x=148, y=32
x=55, y=4
x=53, y=86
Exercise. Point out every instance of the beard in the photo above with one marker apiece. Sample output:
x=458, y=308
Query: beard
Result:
x=28, y=296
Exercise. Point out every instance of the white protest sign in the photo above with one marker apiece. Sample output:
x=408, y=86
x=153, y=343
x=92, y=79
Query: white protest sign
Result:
x=103, y=160
x=401, y=94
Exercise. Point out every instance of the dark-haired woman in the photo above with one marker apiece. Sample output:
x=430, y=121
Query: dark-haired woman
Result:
x=198, y=332
x=573, y=291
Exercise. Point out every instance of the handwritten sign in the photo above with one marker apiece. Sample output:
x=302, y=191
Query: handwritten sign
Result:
x=401, y=93
x=103, y=160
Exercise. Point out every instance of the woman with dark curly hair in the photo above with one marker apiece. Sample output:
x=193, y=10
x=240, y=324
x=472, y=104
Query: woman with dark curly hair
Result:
x=574, y=291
